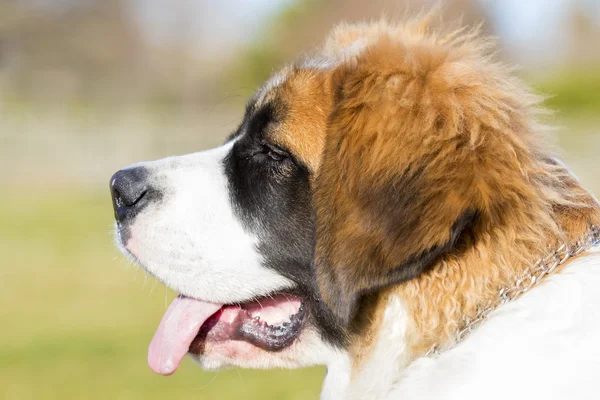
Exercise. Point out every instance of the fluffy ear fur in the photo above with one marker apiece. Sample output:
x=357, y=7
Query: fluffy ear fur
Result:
x=391, y=195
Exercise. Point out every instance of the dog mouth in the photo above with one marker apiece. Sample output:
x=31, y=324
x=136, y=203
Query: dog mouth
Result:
x=271, y=323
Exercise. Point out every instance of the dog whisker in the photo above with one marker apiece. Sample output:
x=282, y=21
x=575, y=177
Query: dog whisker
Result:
x=153, y=286
x=214, y=378
x=240, y=375
x=261, y=306
x=166, y=301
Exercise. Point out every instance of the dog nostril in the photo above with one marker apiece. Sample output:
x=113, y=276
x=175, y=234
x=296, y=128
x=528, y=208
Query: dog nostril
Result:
x=135, y=199
x=129, y=199
x=128, y=187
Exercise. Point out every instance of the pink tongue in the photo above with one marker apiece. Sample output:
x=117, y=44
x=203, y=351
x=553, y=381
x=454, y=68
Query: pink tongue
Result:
x=176, y=331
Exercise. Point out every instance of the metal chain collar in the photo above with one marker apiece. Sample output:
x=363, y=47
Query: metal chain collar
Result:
x=532, y=276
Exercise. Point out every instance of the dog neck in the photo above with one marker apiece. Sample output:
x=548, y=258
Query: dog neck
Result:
x=371, y=366
x=402, y=323
x=375, y=370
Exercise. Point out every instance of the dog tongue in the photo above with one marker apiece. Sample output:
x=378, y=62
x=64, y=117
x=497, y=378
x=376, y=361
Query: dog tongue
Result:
x=176, y=331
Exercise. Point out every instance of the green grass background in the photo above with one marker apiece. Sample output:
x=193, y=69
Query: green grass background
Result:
x=76, y=318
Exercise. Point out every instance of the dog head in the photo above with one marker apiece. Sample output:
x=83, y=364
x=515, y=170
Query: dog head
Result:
x=360, y=169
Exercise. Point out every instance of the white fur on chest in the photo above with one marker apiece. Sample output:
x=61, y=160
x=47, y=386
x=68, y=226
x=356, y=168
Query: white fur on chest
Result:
x=543, y=345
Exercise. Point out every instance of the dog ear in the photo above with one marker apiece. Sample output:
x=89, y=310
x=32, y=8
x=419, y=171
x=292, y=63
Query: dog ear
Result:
x=391, y=195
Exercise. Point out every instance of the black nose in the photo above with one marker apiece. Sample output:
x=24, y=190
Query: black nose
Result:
x=130, y=192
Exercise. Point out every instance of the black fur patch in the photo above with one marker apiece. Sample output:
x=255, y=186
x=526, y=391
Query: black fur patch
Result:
x=274, y=201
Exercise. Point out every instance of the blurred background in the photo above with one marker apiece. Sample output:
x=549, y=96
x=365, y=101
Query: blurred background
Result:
x=90, y=86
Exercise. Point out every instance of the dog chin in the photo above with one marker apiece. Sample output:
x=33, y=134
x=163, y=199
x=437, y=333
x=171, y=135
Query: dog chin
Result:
x=216, y=356
x=240, y=354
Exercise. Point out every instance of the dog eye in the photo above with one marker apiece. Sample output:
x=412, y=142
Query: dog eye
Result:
x=273, y=154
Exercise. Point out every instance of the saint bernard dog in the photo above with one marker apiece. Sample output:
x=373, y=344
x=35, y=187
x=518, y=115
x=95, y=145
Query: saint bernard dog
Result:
x=380, y=210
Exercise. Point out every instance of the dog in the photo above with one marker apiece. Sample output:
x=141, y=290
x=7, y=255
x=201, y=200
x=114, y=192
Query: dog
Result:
x=388, y=208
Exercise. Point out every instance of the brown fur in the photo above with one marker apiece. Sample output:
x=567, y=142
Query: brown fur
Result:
x=413, y=130
x=305, y=95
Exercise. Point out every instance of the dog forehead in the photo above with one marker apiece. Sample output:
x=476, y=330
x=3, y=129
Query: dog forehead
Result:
x=305, y=99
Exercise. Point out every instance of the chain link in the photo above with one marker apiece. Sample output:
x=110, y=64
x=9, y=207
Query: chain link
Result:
x=533, y=275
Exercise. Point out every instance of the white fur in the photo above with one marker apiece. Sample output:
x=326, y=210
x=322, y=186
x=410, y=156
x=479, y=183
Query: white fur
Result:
x=191, y=239
x=337, y=381
x=543, y=345
x=380, y=370
x=389, y=355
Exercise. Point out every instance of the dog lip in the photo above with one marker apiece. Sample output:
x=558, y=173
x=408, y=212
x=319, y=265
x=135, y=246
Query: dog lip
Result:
x=273, y=337
x=238, y=323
